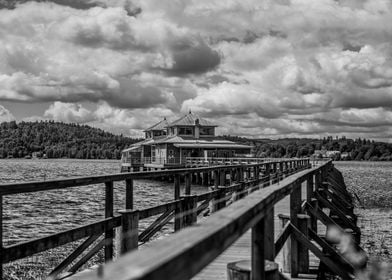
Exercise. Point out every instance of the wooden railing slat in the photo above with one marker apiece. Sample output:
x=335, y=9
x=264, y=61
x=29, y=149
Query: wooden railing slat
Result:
x=29, y=248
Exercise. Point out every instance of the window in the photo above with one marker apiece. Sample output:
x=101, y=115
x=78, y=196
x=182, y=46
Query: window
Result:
x=186, y=131
x=207, y=131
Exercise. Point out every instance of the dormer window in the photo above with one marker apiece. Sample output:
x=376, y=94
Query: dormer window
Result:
x=185, y=131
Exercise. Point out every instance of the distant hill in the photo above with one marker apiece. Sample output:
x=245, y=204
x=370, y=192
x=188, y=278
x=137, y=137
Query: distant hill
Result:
x=354, y=149
x=58, y=140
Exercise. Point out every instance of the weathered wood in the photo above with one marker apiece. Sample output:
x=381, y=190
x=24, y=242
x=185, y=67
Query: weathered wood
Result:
x=30, y=248
x=1, y=238
x=188, y=182
x=258, y=250
x=285, y=222
x=303, y=253
x=156, y=226
x=309, y=188
x=212, y=236
x=341, y=215
x=109, y=234
x=88, y=256
x=14, y=188
x=269, y=235
x=76, y=253
x=295, y=209
x=316, y=251
x=177, y=187
x=336, y=256
x=283, y=236
x=129, y=194
x=129, y=230
x=189, y=210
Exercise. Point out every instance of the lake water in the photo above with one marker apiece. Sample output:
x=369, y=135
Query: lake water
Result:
x=33, y=215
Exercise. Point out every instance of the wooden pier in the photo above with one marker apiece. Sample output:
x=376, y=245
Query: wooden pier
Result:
x=241, y=202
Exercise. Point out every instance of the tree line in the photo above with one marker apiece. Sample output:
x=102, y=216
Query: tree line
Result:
x=350, y=149
x=59, y=140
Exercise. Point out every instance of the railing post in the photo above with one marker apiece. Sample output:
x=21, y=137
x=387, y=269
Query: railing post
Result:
x=303, y=253
x=263, y=247
x=309, y=187
x=295, y=209
x=1, y=237
x=222, y=177
x=109, y=234
x=189, y=213
x=267, y=175
x=258, y=250
x=313, y=220
x=129, y=194
x=286, y=250
x=176, y=186
x=130, y=230
x=188, y=180
x=216, y=178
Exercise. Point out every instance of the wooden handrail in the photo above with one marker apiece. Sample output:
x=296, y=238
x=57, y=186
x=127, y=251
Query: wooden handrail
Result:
x=184, y=254
x=16, y=188
x=183, y=209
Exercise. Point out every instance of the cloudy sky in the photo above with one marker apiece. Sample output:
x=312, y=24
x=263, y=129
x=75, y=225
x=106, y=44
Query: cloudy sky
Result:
x=277, y=68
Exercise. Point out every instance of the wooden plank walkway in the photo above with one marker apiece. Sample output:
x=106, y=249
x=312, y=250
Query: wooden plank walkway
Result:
x=241, y=250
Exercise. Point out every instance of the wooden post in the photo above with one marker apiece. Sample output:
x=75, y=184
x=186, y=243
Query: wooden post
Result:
x=189, y=210
x=286, y=250
x=177, y=186
x=188, y=177
x=129, y=194
x=303, y=253
x=313, y=220
x=263, y=247
x=309, y=187
x=109, y=234
x=258, y=250
x=295, y=209
x=219, y=202
x=269, y=235
x=178, y=216
x=222, y=177
x=130, y=230
x=1, y=237
x=267, y=174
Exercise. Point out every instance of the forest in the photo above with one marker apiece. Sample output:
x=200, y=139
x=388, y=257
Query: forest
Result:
x=354, y=149
x=59, y=140
x=63, y=140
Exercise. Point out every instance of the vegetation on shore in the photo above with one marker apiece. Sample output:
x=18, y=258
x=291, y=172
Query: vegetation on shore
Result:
x=62, y=140
x=355, y=149
x=59, y=140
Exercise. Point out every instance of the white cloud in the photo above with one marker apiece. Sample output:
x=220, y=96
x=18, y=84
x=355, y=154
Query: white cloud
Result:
x=271, y=68
x=5, y=115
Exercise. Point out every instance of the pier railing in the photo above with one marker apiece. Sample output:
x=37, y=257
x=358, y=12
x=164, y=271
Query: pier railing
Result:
x=229, y=183
x=184, y=254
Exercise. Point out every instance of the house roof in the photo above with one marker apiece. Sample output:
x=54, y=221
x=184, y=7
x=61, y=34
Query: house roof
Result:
x=188, y=142
x=158, y=126
x=191, y=120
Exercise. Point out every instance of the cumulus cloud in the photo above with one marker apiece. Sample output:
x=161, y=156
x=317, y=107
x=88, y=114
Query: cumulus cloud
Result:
x=69, y=112
x=5, y=115
x=259, y=68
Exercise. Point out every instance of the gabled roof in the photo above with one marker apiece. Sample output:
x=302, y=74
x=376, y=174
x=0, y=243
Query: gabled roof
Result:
x=191, y=120
x=159, y=126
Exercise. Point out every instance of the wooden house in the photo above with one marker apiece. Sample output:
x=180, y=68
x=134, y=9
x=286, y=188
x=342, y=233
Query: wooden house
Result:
x=170, y=145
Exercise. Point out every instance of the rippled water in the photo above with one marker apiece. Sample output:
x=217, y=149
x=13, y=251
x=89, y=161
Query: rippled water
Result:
x=32, y=215
x=372, y=183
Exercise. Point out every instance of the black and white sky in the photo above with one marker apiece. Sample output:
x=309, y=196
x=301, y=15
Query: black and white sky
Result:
x=276, y=68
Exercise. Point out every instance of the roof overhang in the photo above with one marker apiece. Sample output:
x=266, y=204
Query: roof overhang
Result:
x=211, y=145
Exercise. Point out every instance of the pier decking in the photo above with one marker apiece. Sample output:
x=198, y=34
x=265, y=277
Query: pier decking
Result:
x=243, y=200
